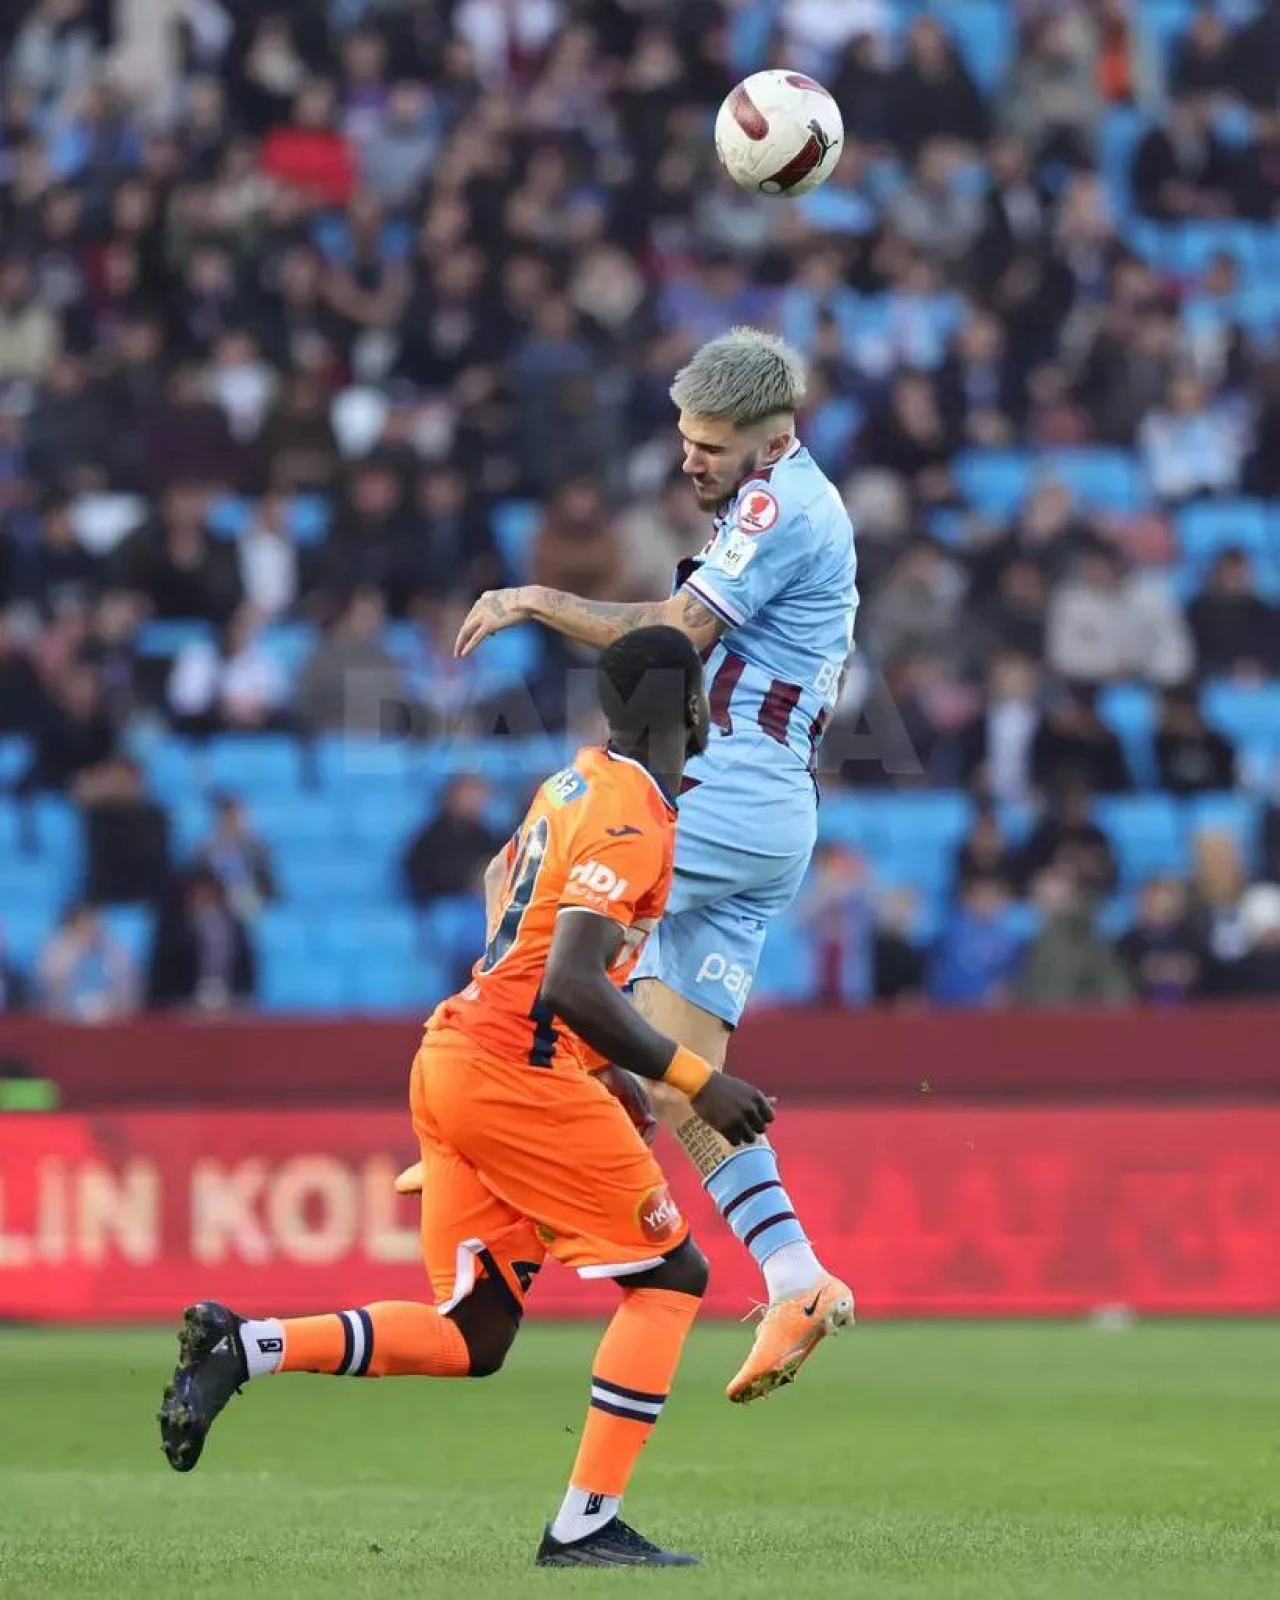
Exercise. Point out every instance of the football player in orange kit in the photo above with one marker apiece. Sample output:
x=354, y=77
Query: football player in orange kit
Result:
x=524, y=1153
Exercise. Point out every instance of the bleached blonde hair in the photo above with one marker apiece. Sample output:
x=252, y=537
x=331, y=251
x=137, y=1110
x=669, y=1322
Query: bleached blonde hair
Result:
x=743, y=377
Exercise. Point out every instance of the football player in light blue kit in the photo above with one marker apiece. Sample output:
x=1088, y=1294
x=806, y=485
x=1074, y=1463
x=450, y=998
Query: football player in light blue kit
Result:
x=771, y=600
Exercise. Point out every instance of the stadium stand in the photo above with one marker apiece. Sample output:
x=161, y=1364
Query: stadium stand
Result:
x=299, y=342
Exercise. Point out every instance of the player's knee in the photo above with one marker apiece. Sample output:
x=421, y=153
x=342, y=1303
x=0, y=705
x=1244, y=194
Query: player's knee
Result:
x=685, y=1271
x=488, y=1329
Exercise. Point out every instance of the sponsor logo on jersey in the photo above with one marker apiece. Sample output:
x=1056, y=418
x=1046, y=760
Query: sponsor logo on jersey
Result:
x=659, y=1216
x=734, y=556
x=716, y=968
x=595, y=878
x=757, y=511
x=564, y=787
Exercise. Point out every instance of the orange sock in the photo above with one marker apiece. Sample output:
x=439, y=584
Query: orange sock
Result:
x=390, y=1339
x=634, y=1367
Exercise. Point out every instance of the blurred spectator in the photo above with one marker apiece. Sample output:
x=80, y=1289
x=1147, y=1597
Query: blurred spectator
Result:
x=297, y=441
x=1234, y=629
x=655, y=536
x=14, y=990
x=57, y=570
x=1218, y=885
x=900, y=964
x=996, y=748
x=936, y=213
x=916, y=608
x=309, y=153
x=351, y=683
x=1069, y=842
x=84, y=974
x=1052, y=102
x=1048, y=530
x=932, y=95
x=451, y=549
x=1127, y=65
x=1068, y=963
x=72, y=732
x=837, y=915
x=1128, y=368
x=910, y=437
x=268, y=559
x=986, y=852
x=1014, y=211
x=1256, y=975
x=1073, y=744
x=1191, y=757
x=1185, y=170
x=449, y=854
x=233, y=686
x=1162, y=951
x=186, y=440
x=577, y=546
x=235, y=855
x=1106, y=623
x=980, y=388
x=30, y=339
x=173, y=564
x=1202, y=58
x=979, y=953
x=1190, y=448
x=201, y=955
x=370, y=545
x=126, y=837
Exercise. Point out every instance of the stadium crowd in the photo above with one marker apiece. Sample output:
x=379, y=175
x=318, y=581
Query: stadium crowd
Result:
x=317, y=317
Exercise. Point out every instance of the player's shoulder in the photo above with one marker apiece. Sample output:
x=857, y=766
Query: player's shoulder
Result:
x=793, y=493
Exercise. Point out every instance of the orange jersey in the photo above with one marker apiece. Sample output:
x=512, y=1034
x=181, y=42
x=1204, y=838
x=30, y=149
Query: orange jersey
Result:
x=600, y=837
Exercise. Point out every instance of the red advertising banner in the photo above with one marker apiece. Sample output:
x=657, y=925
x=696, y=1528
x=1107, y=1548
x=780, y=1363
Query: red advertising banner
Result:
x=958, y=1211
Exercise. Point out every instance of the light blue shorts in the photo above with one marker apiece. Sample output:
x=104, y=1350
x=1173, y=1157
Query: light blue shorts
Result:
x=743, y=844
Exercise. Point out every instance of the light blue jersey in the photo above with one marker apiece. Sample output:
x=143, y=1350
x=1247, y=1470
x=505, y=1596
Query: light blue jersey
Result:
x=780, y=573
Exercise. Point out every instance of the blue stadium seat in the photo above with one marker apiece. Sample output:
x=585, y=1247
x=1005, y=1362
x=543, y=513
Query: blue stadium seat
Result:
x=994, y=482
x=1146, y=834
x=414, y=985
x=230, y=515
x=289, y=644
x=357, y=765
x=291, y=984
x=132, y=927
x=1129, y=710
x=190, y=824
x=1242, y=712
x=388, y=817
x=26, y=883
x=298, y=821
x=311, y=876
x=515, y=522
x=164, y=639
x=1207, y=529
x=308, y=518
x=175, y=768
x=452, y=930
x=1106, y=479
x=786, y=974
x=25, y=930
x=285, y=934
x=268, y=763
x=15, y=757
x=370, y=937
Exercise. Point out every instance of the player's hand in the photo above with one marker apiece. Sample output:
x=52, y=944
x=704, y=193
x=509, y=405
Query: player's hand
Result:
x=738, y=1111
x=631, y=1095
x=495, y=610
x=410, y=1180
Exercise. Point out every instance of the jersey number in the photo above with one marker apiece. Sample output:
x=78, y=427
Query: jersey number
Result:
x=519, y=892
x=520, y=886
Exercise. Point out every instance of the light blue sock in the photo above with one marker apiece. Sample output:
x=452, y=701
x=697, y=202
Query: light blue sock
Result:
x=749, y=1196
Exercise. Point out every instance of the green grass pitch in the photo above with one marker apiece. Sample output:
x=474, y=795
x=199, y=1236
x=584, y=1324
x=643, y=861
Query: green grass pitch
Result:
x=917, y=1462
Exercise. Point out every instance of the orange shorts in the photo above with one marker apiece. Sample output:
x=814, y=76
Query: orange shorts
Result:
x=521, y=1162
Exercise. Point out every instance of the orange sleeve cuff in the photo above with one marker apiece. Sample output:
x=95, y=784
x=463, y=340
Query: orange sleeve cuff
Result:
x=687, y=1071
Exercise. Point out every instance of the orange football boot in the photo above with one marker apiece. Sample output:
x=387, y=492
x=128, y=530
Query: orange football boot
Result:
x=789, y=1332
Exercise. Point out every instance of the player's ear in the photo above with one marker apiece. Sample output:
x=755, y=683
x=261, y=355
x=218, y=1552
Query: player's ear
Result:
x=777, y=440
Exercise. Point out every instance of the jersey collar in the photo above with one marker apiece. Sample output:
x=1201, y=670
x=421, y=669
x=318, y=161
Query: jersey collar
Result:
x=667, y=797
x=727, y=504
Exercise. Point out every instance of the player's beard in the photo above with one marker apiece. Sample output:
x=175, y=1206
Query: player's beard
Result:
x=711, y=492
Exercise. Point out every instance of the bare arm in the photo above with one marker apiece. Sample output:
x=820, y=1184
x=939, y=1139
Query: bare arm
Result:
x=577, y=987
x=591, y=622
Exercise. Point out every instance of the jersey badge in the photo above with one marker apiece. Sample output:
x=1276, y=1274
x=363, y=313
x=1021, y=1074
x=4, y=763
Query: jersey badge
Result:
x=734, y=555
x=757, y=511
x=564, y=787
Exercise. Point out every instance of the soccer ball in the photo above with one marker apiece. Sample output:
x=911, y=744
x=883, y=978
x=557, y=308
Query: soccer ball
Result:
x=779, y=133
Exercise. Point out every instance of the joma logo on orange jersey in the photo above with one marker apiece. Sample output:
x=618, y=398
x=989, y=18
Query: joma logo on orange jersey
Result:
x=598, y=879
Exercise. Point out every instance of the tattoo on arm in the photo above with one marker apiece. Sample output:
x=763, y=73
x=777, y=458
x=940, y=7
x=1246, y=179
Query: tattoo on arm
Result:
x=703, y=1145
x=600, y=622
x=595, y=622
